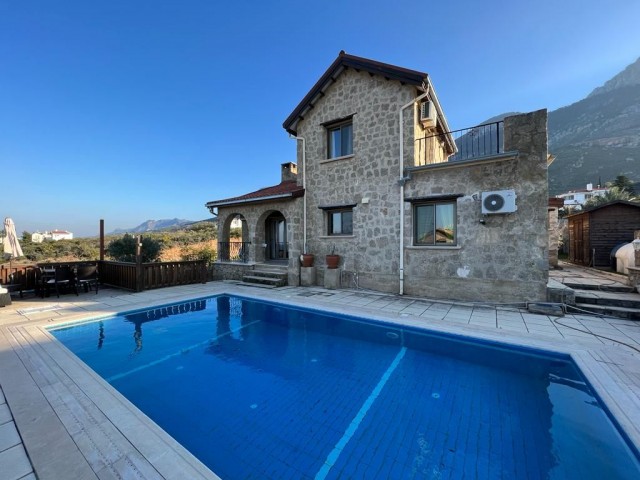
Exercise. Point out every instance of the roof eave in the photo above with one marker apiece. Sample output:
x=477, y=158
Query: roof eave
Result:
x=388, y=71
x=243, y=201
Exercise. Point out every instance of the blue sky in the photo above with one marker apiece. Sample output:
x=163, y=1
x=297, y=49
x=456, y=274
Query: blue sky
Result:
x=147, y=109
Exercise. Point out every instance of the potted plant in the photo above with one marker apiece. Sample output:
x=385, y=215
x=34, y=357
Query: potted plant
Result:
x=332, y=259
x=307, y=259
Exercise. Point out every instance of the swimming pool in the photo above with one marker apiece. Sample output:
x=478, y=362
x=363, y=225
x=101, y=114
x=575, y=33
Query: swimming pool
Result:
x=260, y=390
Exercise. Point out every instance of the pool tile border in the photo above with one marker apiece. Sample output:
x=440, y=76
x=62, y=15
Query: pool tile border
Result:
x=31, y=385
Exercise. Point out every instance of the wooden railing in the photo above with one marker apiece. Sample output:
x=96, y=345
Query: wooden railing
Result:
x=147, y=276
x=169, y=274
x=130, y=276
x=118, y=274
x=25, y=275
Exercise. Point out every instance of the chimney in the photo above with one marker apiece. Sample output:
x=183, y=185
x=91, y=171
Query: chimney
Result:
x=289, y=171
x=589, y=187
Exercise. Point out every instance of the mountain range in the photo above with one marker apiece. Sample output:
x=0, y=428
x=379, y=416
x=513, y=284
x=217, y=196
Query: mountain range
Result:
x=594, y=140
x=153, y=225
x=597, y=138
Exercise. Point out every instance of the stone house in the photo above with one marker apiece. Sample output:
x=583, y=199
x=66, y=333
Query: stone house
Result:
x=410, y=206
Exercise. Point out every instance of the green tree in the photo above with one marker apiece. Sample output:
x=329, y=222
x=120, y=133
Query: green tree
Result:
x=208, y=254
x=124, y=249
x=623, y=183
x=614, y=193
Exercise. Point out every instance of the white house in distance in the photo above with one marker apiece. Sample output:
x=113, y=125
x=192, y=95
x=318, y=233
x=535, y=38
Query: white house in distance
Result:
x=53, y=235
x=577, y=198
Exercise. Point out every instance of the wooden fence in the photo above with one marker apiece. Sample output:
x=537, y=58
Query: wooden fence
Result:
x=130, y=276
x=147, y=276
x=25, y=275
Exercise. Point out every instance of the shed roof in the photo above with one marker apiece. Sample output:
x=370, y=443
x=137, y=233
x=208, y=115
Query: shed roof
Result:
x=605, y=205
x=284, y=190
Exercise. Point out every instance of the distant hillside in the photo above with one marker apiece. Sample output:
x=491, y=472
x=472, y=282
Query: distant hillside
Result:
x=153, y=226
x=598, y=137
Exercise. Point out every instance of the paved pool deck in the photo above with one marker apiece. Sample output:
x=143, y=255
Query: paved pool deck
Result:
x=58, y=419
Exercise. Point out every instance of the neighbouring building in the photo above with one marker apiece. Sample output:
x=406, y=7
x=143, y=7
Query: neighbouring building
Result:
x=595, y=232
x=575, y=199
x=53, y=235
x=410, y=206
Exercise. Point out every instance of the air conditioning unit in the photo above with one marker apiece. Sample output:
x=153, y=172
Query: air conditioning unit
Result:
x=428, y=114
x=498, y=201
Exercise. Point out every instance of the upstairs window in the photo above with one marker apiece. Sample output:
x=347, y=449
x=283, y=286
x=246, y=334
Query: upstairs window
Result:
x=340, y=137
x=435, y=224
x=340, y=222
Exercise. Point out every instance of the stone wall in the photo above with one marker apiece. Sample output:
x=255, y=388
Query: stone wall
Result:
x=371, y=173
x=498, y=258
x=230, y=271
x=254, y=216
x=503, y=259
x=554, y=236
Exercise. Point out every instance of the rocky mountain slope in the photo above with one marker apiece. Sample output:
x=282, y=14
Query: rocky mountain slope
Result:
x=153, y=225
x=597, y=138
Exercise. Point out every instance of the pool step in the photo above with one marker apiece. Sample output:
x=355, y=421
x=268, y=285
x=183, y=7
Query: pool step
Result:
x=272, y=276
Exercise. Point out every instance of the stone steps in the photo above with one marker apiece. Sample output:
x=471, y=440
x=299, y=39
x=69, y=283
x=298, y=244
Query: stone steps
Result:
x=614, y=288
x=607, y=310
x=269, y=275
x=624, y=300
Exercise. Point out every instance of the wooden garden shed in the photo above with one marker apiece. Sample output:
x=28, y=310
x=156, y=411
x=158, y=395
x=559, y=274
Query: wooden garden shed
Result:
x=595, y=232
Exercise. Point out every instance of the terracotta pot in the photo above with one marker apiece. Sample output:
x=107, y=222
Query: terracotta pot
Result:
x=307, y=260
x=333, y=261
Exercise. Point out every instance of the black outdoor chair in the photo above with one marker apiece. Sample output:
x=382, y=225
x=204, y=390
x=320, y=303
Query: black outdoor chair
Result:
x=63, y=277
x=87, y=277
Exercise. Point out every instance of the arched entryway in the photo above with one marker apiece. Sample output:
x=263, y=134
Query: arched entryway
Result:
x=275, y=233
x=233, y=242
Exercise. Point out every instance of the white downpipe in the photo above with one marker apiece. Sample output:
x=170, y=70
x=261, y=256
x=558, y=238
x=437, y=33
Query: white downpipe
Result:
x=304, y=197
x=401, y=181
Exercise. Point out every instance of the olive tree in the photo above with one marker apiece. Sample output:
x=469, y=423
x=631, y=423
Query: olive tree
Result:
x=124, y=249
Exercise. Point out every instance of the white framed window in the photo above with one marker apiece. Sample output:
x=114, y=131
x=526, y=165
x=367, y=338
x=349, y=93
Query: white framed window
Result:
x=340, y=139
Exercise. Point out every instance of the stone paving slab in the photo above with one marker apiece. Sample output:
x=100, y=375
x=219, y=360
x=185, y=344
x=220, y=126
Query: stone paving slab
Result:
x=15, y=464
x=86, y=416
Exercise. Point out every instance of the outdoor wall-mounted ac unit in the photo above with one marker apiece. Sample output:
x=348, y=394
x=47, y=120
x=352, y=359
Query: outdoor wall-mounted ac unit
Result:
x=428, y=114
x=498, y=201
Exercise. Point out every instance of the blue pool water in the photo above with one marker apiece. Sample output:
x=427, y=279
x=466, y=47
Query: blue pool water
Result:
x=258, y=390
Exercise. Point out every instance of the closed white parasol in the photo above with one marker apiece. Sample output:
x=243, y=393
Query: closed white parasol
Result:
x=12, y=247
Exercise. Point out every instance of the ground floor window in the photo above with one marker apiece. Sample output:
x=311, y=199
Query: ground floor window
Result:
x=340, y=222
x=435, y=224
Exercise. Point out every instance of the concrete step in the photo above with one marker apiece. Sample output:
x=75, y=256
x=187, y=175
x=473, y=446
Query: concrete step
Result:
x=607, y=310
x=625, y=300
x=614, y=287
x=265, y=280
x=283, y=274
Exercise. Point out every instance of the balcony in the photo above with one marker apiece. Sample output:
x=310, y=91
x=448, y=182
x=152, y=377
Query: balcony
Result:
x=470, y=144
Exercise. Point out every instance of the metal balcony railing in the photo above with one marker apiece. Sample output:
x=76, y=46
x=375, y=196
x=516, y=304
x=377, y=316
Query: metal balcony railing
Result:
x=475, y=142
x=233, y=251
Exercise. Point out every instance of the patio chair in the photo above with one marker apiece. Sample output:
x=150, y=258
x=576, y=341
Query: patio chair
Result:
x=63, y=277
x=87, y=277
